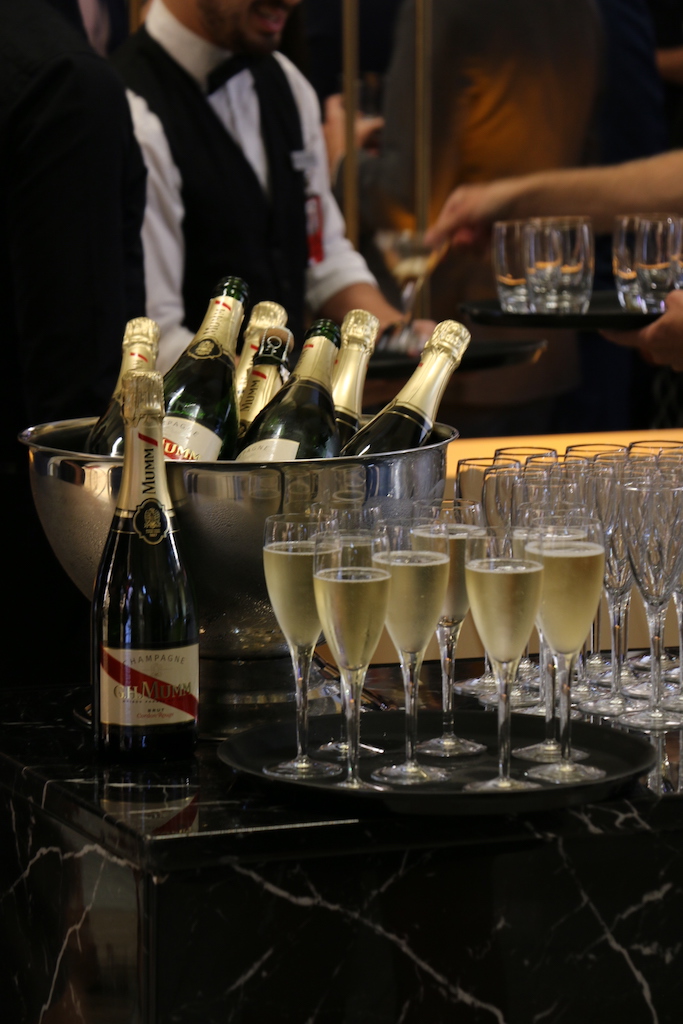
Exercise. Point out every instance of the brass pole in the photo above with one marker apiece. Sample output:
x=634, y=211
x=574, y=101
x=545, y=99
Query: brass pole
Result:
x=423, y=111
x=423, y=129
x=135, y=14
x=350, y=71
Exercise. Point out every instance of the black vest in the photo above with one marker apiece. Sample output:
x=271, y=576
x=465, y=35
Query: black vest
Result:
x=230, y=225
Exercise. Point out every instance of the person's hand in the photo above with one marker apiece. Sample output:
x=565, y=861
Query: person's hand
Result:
x=334, y=130
x=418, y=334
x=660, y=342
x=467, y=215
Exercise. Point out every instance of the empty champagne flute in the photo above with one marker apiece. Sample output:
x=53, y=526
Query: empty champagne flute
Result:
x=462, y=519
x=606, y=485
x=572, y=552
x=504, y=597
x=418, y=570
x=523, y=452
x=653, y=518
x=351, y=597
x=410, y=262
x=288, y=555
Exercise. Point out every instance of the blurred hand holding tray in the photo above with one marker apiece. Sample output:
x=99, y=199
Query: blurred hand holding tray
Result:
x=625, y=758
x=604, y=313
x=480, y=355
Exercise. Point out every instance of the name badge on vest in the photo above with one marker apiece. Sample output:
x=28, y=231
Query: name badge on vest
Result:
x=303, y=160
x=314, y=229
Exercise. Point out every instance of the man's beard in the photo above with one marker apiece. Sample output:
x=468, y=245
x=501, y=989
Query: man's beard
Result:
x=226, y=28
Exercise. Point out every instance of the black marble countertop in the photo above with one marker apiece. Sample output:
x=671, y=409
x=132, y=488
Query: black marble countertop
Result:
x=206, y=813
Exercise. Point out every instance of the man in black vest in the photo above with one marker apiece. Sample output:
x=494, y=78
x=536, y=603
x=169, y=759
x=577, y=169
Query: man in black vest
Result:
x=237, y=170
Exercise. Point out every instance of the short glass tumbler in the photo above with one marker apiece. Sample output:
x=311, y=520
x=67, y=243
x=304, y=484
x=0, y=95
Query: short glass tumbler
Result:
x=509, y=265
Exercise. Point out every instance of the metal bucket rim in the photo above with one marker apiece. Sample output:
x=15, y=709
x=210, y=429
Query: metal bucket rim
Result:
x=30, y=434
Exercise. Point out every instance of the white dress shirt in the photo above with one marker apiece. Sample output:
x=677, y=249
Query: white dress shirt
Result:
x=236, y=105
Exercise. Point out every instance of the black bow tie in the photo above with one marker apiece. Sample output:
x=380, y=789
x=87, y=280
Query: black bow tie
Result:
x=232, y=66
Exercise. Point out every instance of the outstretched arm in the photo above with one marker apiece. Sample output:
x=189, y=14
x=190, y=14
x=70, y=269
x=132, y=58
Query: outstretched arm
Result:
x=653, y=183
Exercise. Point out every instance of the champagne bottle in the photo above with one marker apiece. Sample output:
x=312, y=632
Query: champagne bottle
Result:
x=145, y=650
x=299, y=422
x=139, y=351
x=407, y=421
x=263, y=315
x=201, y=402
x=265, y=377
x=358, y=334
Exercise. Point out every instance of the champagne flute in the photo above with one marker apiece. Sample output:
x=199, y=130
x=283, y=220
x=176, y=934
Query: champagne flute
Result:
x=596, y=664
x=653, y=515
x=351, y=597
x=572, y=551
x=499, y=496
x=417, y=588
x=288, y=554
x=606, y=486
x=523, y=452
x=504, y=597
x=469, y=484
x=355, y=519
x=410, y=262
x=462, y=518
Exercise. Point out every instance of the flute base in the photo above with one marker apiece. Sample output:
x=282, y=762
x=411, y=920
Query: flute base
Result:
x=609, y=707
x=450, y=745
x=409, y=774
x=652, y=721
x=499, y=785
x=302, y=770
x=546, y=753
x=566, y=774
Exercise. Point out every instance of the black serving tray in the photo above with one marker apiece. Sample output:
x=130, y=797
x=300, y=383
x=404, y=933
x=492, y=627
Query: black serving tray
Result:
x=604, y=312
x=624, y=757
x=480, y=355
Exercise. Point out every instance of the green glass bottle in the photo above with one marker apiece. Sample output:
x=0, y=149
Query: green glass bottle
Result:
x=299, y=423
x=139, y=352
x=266, y=376
x=201, y=401
x=263, y=315
x=358, y=334
x=145, y=634
x=407, y=421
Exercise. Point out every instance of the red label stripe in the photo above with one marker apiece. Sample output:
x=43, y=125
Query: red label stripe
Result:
x=180, y=822
x=149, y=440
x=145, y=684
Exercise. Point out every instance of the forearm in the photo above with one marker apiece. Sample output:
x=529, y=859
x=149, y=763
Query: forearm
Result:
x=650, y=184
x=360, y=296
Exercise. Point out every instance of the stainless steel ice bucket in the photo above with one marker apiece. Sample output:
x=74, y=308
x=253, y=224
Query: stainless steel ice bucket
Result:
x=221, y=507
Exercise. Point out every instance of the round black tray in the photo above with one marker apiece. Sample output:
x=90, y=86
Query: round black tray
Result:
x=480, y=355
x=604, y=313
x=623, y=756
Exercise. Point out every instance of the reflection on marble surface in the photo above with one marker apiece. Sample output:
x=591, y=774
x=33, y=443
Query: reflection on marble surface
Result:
x=212, y=898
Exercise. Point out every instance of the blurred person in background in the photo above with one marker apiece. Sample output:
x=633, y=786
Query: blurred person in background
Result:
x=498, y=115
x=72, y=187
x=514, y=89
